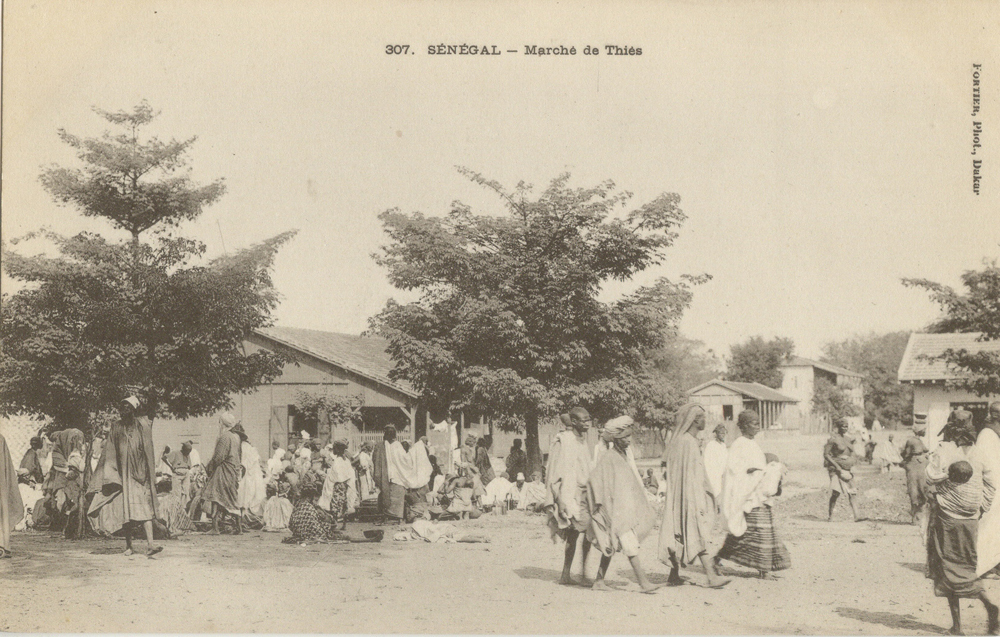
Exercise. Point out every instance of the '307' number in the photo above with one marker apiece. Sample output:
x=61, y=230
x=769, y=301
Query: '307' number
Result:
x=397, y=49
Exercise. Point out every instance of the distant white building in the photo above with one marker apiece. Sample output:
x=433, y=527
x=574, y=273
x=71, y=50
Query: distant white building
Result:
x=933, y=400
x=799, y=377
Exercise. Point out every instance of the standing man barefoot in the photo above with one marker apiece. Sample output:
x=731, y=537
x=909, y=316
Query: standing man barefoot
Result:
x=125, y=479
x=224, y=473
x=621, y=514
x=566, y=488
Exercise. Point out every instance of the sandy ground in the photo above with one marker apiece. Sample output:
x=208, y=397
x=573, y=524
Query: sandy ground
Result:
x=846, y=578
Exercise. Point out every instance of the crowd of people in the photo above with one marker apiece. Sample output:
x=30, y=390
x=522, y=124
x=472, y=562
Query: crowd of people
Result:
x=716, y=502
x=717, y=499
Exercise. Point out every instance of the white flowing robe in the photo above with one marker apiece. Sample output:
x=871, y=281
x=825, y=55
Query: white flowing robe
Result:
x=988, y=538
x=411, y=469
x=251, y=494
x=737, y=485
x=715, y=465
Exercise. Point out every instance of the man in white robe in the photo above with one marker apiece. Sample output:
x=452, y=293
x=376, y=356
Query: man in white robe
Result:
x=715, y=460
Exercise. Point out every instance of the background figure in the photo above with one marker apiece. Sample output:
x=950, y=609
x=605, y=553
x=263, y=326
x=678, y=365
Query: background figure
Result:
x=125, y=482
x=566, y=495
x=251, y=493
x=483, y=464
x=11, y=506
x=839, y=459
x=337, y=485
x=517, y=460
x=914, y=457
x=688, y=526
x=224, y=469
x=715, y=459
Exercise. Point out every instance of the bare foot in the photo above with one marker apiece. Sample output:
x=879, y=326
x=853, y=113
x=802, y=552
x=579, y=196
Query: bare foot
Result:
x=955, y=630
x=675, y=580
x=599, y=585
x=649, y=588
x=153, y=550
x=127, y=552
x=585, y=582
x=566, y=580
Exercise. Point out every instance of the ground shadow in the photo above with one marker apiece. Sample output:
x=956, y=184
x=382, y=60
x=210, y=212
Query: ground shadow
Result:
x=891, y=620
x=914, y=566
x=552, y=575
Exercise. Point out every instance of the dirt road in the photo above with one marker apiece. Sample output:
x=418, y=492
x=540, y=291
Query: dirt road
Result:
x=846, y=578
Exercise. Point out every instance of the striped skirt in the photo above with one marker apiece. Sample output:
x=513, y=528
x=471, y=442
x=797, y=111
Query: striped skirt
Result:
x=759, y=547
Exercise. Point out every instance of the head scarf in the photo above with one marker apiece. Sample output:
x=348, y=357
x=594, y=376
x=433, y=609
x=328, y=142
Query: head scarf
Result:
x=685, y=417
x=227, y=420
x=960, y=428
x=616, y=428
x=238, y=430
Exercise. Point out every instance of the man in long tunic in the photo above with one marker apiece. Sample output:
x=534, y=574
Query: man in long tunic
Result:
x=566, y=477
x=621, y=514
x=687, y=531
x=988, y=446
x=399, y=473
x=125, y=479
x=224, y=472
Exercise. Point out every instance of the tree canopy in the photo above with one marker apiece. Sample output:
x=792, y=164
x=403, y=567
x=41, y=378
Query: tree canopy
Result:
x=877, y=356
x=975, y=310
x=104, y=318
x=509, y=323
x=757, y=360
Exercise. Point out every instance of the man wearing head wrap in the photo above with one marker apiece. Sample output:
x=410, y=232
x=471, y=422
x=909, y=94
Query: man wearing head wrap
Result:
x=125, y=480
x=988, y=446
x=566, y=480
x=687, y=531
x=620, y=513
x=224, y=473
x=914, y=455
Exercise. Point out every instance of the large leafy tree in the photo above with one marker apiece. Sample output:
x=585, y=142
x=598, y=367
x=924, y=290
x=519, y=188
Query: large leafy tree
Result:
x=757, y=360
x=508, y=321
x=975, y=310
x=102, y=318
x=877, y=356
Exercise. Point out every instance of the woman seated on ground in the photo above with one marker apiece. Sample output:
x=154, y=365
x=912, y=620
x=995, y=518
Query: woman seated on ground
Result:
x=308, y=522
x=955, y=483
x=277, y=508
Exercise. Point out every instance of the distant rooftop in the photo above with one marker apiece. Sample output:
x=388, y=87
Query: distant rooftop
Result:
x=919, y=364
x=363, y=355
x=799, y=361
x=750, y=390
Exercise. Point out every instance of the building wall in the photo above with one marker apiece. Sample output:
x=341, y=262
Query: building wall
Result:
x=714, y=399
x=935, y=401
x=798, y=383
x=264, y=411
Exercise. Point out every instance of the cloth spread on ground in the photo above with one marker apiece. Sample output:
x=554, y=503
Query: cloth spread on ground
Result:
x=618, y=504
x=224, y=473
x=566, y=483
x=125, y=478
x=988, y=547
x=11, y=506
x=688, y=527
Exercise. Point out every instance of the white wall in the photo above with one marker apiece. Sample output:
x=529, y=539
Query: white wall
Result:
x=935, y=401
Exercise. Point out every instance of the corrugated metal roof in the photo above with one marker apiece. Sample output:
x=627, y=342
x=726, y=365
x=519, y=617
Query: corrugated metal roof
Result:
x=799, y=361
x=750, y=390
x=919, y=364
x=363, y=355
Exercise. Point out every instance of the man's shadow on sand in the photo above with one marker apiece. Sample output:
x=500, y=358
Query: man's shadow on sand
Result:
x=891, y=620
x=551, y=575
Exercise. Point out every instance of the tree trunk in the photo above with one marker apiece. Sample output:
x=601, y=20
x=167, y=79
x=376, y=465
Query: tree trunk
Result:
x=80, y=523
x=531, y=441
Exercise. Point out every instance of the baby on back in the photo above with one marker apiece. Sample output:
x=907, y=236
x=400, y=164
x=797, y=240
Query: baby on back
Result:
x=959, y=496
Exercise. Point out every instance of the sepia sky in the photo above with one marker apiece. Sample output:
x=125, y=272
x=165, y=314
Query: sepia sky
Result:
x=821, y=149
